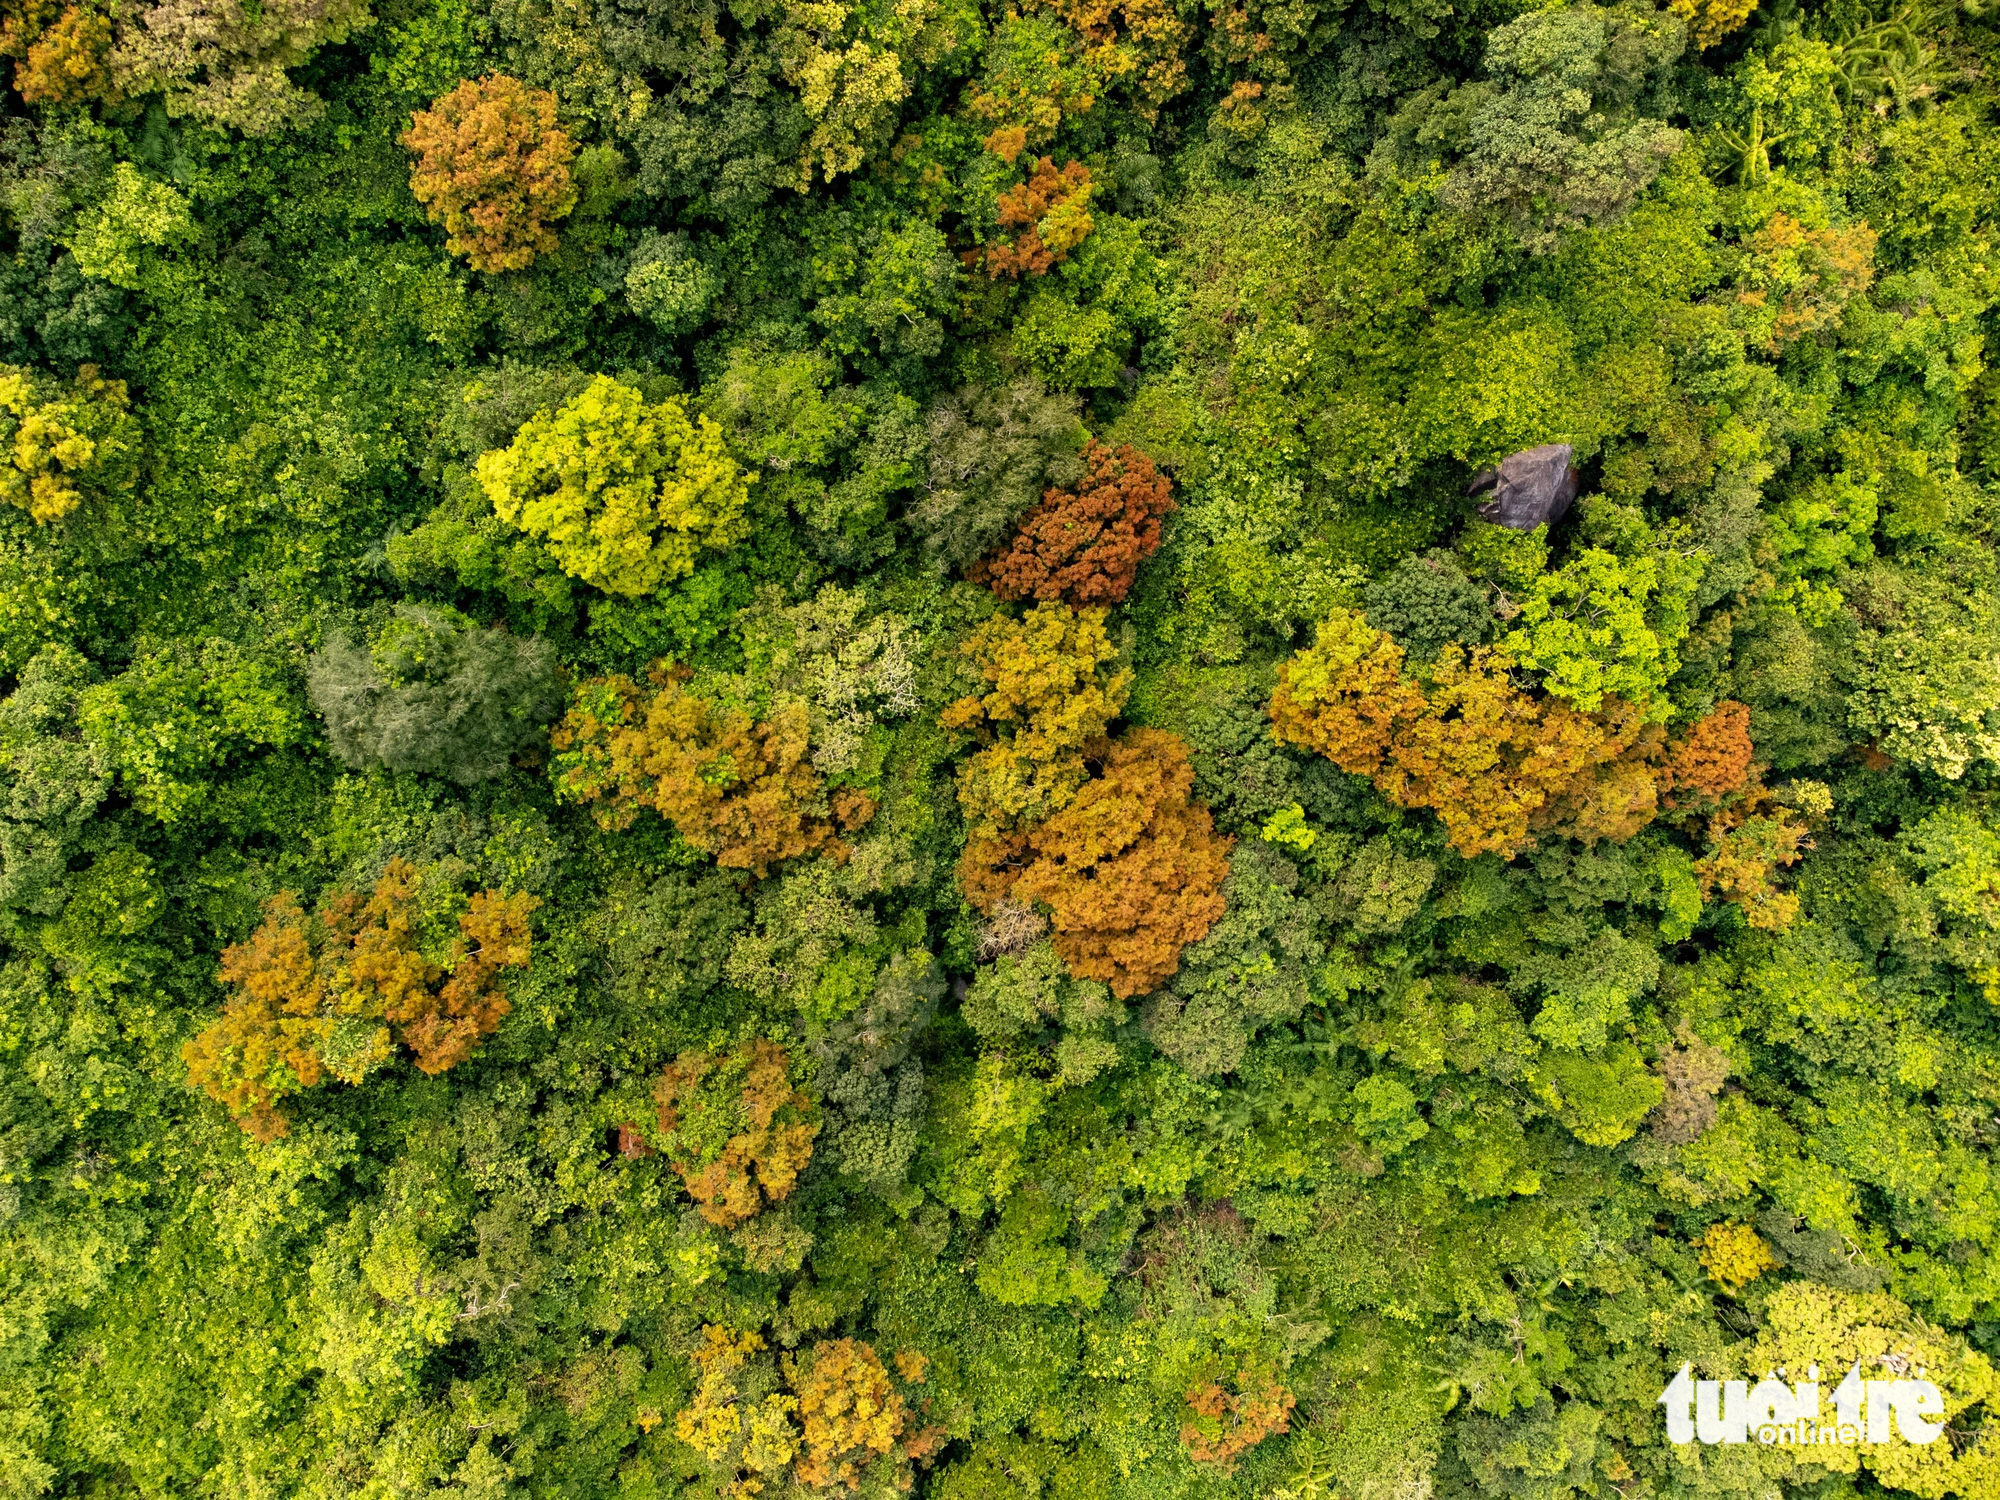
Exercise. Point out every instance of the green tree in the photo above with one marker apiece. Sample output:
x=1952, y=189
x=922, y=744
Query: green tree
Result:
x=1252, y=969
x=182, y=713
x=1603, y=625
x=992, y=454
x=1568, y=131
x=1427, y=603
x=433, y=692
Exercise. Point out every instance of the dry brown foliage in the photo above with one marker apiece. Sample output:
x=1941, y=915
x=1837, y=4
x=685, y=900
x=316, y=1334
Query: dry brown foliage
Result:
x=1011, y=927
x=493, y=168
x=1694, y=1073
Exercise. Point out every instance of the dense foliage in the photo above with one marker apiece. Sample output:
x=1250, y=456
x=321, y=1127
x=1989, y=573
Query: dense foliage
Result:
x=768, y=749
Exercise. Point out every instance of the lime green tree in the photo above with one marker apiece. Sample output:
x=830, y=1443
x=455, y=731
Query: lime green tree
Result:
x=626, y=494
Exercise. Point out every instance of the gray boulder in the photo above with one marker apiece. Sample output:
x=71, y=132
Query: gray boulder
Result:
x=1531, y=487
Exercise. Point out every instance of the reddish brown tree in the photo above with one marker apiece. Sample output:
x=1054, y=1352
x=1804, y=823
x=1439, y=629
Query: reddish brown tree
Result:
x=1085, y=547
x=1131, y=870
x=493, y=168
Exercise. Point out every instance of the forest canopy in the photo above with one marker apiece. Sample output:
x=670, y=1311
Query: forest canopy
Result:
x=1066, y=750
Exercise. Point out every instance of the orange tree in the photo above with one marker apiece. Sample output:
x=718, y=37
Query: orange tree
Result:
x=493, y=168
x=59, y=63
x=1131, y=869
x=1222, y=1426
x=335, y=992
x=1050, y=216
x=1500, y=766
x=734, y=1128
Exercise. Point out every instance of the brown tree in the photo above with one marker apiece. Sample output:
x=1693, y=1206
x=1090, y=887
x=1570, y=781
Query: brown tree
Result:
x=493, y=168
x=1050, y=213
x=1486, y=757
x=743, y=791
x=1085, y=546
x=335, y=992
x=1131, y=869
x=1693, y=1073
x=735, y=1129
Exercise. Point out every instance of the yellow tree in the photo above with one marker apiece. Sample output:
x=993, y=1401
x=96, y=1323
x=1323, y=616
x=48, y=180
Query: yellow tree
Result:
x=1500, y=766
x=60, y=446
x=742, y=790
x=1048, y=695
